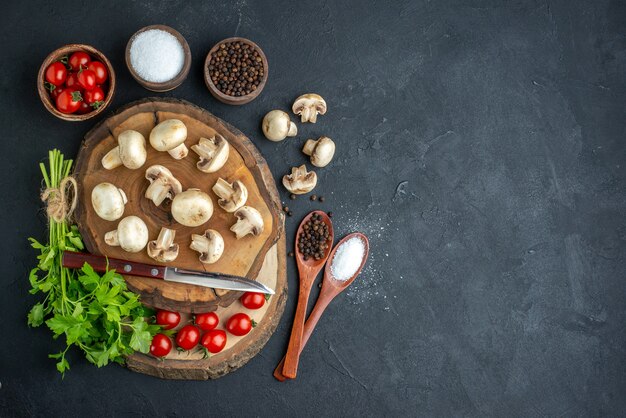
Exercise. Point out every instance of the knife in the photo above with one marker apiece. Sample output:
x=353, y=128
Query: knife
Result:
x=101, y=264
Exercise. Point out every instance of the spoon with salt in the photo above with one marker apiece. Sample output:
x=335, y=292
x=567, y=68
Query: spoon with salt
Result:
x=338, y=275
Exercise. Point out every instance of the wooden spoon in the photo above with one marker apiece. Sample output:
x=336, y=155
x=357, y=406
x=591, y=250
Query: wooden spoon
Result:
x=331, y=287
x=307, y=271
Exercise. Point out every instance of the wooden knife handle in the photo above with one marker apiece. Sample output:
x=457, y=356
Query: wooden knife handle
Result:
x=100, y=264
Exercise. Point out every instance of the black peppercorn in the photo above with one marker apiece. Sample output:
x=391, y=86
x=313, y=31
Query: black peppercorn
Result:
x=322, y=199
x=292, y=196
x=314, y=197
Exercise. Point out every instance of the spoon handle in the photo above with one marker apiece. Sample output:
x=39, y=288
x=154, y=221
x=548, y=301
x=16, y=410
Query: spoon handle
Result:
x=322, y=303
x=295, y=341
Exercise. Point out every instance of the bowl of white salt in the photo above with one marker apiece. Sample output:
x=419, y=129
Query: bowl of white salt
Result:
x=158, y=57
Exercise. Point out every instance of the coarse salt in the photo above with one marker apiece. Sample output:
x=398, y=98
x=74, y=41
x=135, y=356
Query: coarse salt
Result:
x=347, y=259
x=156, y=55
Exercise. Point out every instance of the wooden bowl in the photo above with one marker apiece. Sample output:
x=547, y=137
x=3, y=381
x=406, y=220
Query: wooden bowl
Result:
x=233, y=100
x=68, y=50
x=166, y=85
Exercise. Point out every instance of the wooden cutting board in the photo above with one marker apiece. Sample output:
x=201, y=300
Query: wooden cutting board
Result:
x=243, y=257
x=239, y=350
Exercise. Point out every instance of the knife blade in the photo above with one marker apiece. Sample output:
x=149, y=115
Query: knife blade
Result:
x=101, y=264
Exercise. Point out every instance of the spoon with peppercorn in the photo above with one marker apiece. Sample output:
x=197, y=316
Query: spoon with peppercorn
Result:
x=314, y=239
x=346, y=262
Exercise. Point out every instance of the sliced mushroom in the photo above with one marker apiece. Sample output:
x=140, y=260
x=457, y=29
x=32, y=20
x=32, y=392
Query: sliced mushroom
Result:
x=164, y=249
x=210, y=245
x=108, y=201
x=130, y=151
x=213, y=153
x=249, y=221
x=231, y=196
x=163, y=184
x=308, y=106
x=321, y=150
x=277, y=126
x=170, y=136
x=300, y=181
x=192, y=207
x=131, y=234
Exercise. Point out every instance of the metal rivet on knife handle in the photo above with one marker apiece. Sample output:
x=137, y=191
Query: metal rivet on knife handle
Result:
x=127, y=268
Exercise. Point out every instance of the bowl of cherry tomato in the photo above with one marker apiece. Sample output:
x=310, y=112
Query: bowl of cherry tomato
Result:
x=76, y=82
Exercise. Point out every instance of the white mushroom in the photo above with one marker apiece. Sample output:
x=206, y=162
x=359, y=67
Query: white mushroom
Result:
x=300, y=181
x=210, y=245
x=108, y=201
x=130, y=151
x=164, y=249
x=163, y=184
x=321, y=150
x=249, y=221
x=308, y=106
x=213, y=153
x=192, y=207
x=131, y=234
x=277, y=126
x=170, y=136
x=231, y=196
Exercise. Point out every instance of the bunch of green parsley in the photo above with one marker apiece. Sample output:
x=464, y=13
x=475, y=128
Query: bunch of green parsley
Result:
x=93, y=312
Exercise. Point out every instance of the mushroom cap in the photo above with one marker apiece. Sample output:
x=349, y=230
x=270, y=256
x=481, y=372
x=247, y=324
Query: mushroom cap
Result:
x=308, y=106
x=232, y=196
x=132, y=148
x=192, y=207
x=321, y=151
x=300, y=181
x=277, y=126
x=108, y=201
x=210, y=245
x=163, y=184
x=164, y=249
x=213, y=153
x=132, y=234
x=249, y=221
x=168, y=134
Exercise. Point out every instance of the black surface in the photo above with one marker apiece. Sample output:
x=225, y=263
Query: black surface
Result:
x=481, y=148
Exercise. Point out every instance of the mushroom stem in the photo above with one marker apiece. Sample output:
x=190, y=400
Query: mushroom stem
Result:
x=293, y=129
x=112, y=159
x=158, y=191
x=112, y=238
x=179, y=152
x=309, y=146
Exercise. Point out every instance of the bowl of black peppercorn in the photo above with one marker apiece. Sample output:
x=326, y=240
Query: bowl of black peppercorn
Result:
x=235, y=71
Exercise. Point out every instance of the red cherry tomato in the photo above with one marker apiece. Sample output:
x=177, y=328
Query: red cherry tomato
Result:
x=188, y=337
x=161, y=345
x=207, y=321
x=72, y=81
x=57, y=90
x=214, y=340
x=87, y=79
x=239, y=324
x=84, y=108
x=100, y=70
x=56, y=74
x=167, y=319
x=94, y=97
x=79, y=60
x=253, y=300
x=69, y=101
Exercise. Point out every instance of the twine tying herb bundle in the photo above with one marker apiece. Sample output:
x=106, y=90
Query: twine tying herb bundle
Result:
x=61, y=201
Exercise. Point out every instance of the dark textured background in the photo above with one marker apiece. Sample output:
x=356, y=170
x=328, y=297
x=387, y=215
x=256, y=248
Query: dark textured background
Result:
x=481, y=148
